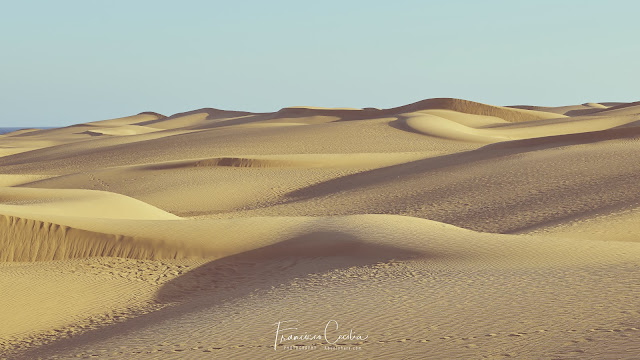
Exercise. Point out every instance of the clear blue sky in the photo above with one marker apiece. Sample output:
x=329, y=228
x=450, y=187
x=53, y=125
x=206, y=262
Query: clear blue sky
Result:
x=65, y=62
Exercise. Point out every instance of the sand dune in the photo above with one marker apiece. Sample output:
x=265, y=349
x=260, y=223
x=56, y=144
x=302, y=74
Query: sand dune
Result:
x=206, y=116
x=138, y=119
x=402, y=251
x=451, y=128
x=31, y=231
x=632, y=108
x=89, y=204
x=214, y=189
x=482, y=231
x=117, y=130
x=569, y=110
x=457, y=105
x=32, y=240
x=429, y=124
x=470, y=107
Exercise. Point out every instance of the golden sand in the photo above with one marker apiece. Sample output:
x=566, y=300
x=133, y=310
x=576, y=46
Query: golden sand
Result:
x=441, y=229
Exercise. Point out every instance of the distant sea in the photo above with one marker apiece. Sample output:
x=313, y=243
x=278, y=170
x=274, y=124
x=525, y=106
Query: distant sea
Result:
x=4, y=130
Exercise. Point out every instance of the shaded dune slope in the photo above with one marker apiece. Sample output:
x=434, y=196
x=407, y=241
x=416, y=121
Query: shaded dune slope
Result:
x=232, y=162
x=44, y=224
x=550, y=180
x=23, y=239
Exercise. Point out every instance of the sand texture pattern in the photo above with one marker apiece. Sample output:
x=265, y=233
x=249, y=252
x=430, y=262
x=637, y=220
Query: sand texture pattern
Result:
x=442, y=229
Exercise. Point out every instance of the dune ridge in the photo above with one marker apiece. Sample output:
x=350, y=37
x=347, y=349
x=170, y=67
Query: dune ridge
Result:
x=459, y=105
x=32, y=240
x=471, y=107
x=191, y=118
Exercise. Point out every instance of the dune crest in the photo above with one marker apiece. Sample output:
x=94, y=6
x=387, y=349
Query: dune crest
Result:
x=475, y=108
x=89, y=204
x=25, y=240
x=458, y=105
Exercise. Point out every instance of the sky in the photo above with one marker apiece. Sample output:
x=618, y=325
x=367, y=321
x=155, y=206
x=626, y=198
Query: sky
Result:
x=65, y=62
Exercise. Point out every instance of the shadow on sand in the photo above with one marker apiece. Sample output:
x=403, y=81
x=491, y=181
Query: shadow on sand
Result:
x=234, y=277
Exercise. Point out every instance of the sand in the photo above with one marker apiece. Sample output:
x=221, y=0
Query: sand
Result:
x=439, y=229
